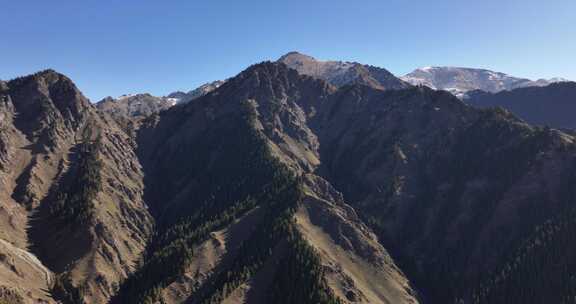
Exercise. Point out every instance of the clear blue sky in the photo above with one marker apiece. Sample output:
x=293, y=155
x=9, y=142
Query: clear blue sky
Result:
x=129, y=46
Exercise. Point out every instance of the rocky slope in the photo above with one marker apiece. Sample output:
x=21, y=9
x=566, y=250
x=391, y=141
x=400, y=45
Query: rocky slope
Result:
x=71, y=192
x=553, y=105
x=340, y=73
x=283, y=187
x=459, y=80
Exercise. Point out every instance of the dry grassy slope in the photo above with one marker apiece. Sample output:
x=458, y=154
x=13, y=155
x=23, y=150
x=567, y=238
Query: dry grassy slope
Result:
x=44, y=118
x=122, y=223
x=22, y=276
x=256, y=290
x=22, y=273
x=358, y=268
x=212, y=256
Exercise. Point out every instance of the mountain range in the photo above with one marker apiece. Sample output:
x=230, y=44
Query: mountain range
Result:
x=295, y=181
x=460, y=81
x=479, y=87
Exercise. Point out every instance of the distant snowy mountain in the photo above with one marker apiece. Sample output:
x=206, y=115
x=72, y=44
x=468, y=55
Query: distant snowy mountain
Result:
x=459, y=80
x=182, y=97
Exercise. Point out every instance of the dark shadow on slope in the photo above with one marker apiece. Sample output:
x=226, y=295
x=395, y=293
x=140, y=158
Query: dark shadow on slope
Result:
x=55, y=241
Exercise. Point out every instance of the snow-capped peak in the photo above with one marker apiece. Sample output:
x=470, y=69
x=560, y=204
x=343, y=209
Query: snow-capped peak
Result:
x=460, y=80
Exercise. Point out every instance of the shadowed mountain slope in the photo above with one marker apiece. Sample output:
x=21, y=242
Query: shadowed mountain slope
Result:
x=553, y=105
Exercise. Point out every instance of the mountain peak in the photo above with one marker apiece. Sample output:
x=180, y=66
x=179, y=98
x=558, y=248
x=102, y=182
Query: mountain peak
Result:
x=340, y=73
x=55, y=88
x=48, y=72
x=296, y=57
x=294, y=53
x=273, y=80
x=49, y=76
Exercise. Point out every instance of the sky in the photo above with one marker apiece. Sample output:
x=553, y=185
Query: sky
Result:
x=110, y=48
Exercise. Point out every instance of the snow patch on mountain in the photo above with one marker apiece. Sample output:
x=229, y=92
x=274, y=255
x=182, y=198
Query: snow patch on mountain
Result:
x=459, y=81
